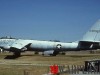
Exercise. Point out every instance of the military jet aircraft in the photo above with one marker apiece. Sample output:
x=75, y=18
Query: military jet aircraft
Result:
x=91, y=40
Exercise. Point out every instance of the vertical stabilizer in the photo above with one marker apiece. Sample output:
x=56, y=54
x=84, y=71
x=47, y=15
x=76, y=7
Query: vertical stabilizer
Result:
x=93, y=34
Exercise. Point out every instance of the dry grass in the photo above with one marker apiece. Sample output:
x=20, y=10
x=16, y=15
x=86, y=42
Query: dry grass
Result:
x=9, y=67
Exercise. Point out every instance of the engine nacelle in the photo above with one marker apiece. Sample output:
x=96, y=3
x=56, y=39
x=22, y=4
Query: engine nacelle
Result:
x=6, y=47
x=50, y=53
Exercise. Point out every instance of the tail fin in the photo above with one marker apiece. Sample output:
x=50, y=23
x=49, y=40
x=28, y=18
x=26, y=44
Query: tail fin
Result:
x=93, y=34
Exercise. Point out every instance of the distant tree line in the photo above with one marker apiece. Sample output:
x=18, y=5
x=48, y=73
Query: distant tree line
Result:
x=55, y=40
x=7, y=37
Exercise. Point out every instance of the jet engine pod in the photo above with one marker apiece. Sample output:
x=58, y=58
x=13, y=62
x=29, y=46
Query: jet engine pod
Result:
x=50, y=53
x=6, y=47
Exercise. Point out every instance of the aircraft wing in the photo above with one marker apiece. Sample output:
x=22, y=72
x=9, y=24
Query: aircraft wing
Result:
x=19, y=44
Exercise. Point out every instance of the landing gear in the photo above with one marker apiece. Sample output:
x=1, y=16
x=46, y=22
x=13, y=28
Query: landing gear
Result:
x=17, y=54
x=14, y=56
x=36, y=52
x=55, y=53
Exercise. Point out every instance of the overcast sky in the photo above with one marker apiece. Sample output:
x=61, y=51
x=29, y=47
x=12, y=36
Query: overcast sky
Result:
x=64, y=20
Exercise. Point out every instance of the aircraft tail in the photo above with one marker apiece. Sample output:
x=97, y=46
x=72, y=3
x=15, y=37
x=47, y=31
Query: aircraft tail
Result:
x=93, y=35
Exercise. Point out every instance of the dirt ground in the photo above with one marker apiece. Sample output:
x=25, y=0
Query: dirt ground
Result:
x=37, y=64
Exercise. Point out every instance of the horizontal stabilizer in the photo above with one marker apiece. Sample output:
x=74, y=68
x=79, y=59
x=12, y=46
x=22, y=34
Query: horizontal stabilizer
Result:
x=88, y=45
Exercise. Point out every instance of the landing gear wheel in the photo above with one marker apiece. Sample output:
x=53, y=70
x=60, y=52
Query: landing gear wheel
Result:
x=55, y=53
x=17, y=54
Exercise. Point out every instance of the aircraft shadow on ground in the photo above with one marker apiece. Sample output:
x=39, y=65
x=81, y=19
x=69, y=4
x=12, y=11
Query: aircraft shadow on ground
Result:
x=14, y=57
x=11, y=57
